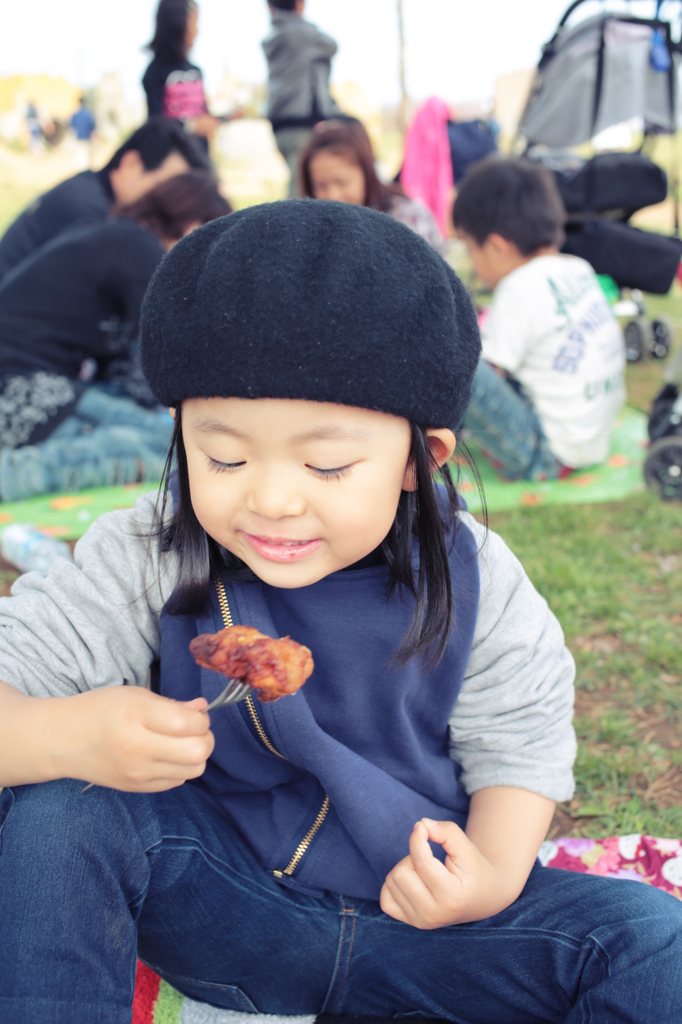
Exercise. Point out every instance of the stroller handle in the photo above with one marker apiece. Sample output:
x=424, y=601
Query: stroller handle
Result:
x=569, y=12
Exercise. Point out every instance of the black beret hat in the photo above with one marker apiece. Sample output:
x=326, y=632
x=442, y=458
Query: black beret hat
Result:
x=316, y=300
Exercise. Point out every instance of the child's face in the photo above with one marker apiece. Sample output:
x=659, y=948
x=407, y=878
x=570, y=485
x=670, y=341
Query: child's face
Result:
x=485, y=259
x=494, y=258
x=296, y=489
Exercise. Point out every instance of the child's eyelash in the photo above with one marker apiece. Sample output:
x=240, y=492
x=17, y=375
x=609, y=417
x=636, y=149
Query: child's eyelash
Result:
x=330, y=474
x=325, y=474
x=223, y=467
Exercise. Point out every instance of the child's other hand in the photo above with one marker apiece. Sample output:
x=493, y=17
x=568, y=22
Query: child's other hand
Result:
x=128, y=738
x=423, y=892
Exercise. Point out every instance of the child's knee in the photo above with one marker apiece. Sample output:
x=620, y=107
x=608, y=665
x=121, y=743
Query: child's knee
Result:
x=49, y=821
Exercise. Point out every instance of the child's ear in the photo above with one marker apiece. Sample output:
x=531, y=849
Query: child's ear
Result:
x=442, y=444
x=503, y=249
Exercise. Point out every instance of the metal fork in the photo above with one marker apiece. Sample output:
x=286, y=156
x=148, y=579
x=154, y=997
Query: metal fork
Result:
x=232, y=694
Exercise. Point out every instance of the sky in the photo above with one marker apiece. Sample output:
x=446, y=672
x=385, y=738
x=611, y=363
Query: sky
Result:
x=454, y=48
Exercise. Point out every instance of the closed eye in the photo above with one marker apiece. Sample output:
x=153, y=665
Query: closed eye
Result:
x=330, y=474
x=223, y=467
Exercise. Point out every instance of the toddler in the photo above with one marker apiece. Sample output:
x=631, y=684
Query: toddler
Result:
x=367, y=845
x=550, y=383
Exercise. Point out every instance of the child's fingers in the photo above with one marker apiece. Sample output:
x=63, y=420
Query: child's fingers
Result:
x=174, y=718
x=450, y=836
x=407, y=893
x=390, y=905
x=141, y=754
x=178, y=772
x=190, y=750
x=430, y=871
x=154, y=784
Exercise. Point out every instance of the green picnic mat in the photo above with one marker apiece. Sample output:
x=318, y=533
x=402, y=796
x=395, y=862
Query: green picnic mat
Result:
x=69, y=515
x=612, y=480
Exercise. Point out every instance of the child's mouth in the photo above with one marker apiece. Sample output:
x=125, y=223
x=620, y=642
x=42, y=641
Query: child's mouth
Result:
x=282, y=550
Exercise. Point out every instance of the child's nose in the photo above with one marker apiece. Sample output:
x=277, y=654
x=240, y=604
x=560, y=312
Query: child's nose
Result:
x=273, y=496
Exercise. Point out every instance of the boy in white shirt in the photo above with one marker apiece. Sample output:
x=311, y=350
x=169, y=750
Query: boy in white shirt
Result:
x=551, y=377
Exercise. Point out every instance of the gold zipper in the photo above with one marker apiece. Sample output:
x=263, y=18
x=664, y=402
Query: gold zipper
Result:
x=227, y=619
x=306, y=841
x=302, y=847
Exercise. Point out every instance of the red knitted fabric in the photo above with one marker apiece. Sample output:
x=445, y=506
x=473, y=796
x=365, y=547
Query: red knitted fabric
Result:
x=146, y=993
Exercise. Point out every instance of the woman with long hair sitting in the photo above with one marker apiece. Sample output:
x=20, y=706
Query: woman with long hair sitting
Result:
x=72, y=402
x=338, y=163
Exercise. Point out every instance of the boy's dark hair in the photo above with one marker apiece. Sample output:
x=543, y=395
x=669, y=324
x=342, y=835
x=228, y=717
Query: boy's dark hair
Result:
x=514, y=198
x=168, y=43
x=156, y=140
x=283, y=5
x=425, y=515
x=349, y=140
x=173, y=206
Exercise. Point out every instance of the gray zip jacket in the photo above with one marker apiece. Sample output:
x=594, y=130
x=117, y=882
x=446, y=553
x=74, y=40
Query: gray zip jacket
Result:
x=299, y=64
x=95, y=623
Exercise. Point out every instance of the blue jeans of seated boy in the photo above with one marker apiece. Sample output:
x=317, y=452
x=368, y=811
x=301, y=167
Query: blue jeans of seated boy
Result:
x=502, y=422
x=107, y=440
x=87, y=880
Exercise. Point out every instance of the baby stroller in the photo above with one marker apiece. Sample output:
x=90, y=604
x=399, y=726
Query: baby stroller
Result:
x=605, y=70
x=663, y=465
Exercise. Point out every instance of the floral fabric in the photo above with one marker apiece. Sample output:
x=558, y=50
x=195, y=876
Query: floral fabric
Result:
x=656, y=862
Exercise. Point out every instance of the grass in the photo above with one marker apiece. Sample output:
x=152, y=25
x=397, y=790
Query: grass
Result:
x=612, y=574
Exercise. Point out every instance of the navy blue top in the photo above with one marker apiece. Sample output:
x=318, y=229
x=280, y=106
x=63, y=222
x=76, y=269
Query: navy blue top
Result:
x=85, y=198
x=360, y=752
x=83, y=123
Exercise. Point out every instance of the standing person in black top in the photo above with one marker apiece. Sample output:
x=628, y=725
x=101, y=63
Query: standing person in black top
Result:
x=67, y=314
x=299, y=60
x=174, y=86
x=155, y=152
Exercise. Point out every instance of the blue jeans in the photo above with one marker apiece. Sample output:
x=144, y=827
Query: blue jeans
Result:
x=107, y=440
x=89, y=880
x=502, y=422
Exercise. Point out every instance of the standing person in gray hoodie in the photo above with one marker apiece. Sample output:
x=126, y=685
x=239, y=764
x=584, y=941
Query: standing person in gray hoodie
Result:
x=299, y=64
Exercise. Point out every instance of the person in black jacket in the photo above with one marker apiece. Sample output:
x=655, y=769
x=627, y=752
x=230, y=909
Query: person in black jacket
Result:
x=155, y=152
x=68, y=324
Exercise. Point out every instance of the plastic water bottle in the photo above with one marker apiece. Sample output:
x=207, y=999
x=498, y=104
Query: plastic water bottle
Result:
x=30, y=550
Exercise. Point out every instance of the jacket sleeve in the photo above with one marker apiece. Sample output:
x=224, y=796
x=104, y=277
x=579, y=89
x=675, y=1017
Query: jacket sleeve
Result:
x=322, y=47
x=92, y=622
x=512, y=723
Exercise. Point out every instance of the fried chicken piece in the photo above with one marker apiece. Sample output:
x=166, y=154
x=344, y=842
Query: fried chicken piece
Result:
x=272, y=667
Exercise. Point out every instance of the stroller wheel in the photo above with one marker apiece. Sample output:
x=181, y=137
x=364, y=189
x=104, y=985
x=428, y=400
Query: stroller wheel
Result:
x=660, y=339
x=635, y=345
x=663, y=468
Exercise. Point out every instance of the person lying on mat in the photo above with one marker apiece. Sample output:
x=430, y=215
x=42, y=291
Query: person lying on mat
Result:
x=551, y=379
x=367, y=845
x=156, y=151
x=71, y=395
